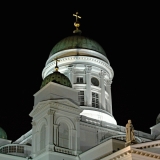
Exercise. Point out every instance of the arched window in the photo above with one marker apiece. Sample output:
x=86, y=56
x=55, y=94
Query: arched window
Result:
x=43, y=137
x=63, y=135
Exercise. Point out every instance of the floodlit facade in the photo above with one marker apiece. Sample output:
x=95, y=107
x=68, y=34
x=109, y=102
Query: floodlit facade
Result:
x=72, y=116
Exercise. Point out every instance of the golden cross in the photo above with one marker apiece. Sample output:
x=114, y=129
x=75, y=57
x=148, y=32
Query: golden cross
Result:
x=77, y=16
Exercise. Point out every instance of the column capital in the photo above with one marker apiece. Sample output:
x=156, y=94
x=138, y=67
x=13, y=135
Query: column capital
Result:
x=71, y=69
x=109, y=81
x=50, y=112
x=77, y=119
x=88, y=69
x=33, y=123
x=102, y=73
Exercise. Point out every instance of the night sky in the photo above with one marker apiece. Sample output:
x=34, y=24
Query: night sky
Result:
x=129, y=34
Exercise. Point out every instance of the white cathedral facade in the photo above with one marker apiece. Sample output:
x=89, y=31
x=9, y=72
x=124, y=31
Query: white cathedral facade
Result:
x=72, y=115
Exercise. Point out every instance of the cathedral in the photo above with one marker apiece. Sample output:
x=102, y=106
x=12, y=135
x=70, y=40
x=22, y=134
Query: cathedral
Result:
x=72, y=115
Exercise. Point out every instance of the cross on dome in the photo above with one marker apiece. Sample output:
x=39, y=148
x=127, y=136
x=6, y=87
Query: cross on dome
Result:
x=77, y=16
x=77, y=24
x=56, y=67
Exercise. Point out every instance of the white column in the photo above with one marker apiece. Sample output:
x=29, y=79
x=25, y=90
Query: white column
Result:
x=71, y=74
x=103, y=103
x=88, y=86
x=108, y=88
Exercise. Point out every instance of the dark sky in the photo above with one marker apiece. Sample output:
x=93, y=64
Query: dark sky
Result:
x=129, y=33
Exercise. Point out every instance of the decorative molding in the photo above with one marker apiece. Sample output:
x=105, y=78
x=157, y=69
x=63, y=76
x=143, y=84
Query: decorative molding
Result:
x=33, y=123
x=149, y=146
x=50, y=112
x=65, y=120
x=109, y=82
x=38, y=108
x=65, y=151
x=56, y=104
x=79, y=59
x=135, y=151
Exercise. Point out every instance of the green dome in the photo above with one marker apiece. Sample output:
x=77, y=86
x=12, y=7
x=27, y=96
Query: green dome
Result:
x=3, y=134
x=158, y=119
x=77, y=41
x=57, y=77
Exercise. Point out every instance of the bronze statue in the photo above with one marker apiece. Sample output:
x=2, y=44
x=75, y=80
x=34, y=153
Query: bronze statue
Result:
x=129, y=133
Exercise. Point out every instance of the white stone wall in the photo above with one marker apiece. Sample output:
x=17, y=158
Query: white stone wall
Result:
x=88, y=68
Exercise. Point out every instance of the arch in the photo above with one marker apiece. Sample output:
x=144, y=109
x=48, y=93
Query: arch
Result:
x=63, y=135
x=64, y=125
x=41, y=123
x=65, y=120
x=41, y=132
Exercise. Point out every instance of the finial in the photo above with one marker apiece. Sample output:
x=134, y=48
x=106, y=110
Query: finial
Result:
x=56, y=67
x=77, y=24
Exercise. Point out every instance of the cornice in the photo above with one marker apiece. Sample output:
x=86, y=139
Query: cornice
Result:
x=64, y=105
x=151, y=144
x=131, y=151
x=80, y=59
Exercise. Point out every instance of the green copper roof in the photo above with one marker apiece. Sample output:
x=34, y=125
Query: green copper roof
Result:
x=57, y=77
x=3, y=134
x=77, y=41
x=158, y=119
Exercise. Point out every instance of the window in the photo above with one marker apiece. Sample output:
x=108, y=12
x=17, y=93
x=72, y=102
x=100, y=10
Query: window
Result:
x=79, y=79
x=20, y=149
x=4, y=150
x=95, y=101
x=63, y=135
x=81, y=98
x=12, y=149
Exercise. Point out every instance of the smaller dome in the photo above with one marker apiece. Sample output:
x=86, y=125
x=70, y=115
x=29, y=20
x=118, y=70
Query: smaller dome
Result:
x=158, y=119
x=3, y=134
x=57, y=77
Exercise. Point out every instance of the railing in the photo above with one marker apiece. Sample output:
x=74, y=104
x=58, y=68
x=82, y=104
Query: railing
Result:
x=16, y=149
x=114, y=127
x=119, y=137
x=66, y=151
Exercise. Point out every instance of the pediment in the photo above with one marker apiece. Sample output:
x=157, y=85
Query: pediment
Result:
x=151, y=144
x=60, y=104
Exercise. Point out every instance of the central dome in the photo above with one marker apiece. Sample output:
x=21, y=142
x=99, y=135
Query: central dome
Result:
x=77, y=41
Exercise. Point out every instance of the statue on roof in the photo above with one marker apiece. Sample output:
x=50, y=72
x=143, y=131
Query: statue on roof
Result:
x=130, y=138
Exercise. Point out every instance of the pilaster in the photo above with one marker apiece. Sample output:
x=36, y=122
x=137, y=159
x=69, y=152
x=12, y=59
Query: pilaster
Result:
x=108, y=88
x=103, y=105
x=88, y=87
x=71, y=74
x=50, y=127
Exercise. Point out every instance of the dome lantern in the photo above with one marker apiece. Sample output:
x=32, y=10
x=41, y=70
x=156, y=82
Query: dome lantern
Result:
x=56, y=77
